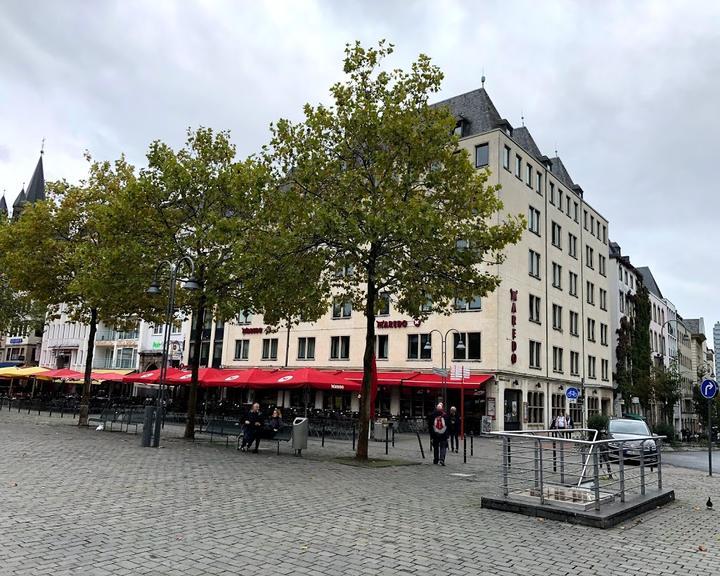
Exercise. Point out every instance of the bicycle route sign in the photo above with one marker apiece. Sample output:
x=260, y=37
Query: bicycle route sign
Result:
x=572, y=394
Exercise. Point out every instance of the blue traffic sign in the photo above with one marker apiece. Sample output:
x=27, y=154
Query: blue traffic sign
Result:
x=572, y=393
x=709, y=388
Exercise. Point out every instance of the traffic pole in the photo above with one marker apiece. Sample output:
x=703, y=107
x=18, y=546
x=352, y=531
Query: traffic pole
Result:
x=709, y=403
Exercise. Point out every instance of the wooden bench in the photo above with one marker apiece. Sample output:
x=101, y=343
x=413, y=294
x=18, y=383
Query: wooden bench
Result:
x=221, y=427
x=284, y=434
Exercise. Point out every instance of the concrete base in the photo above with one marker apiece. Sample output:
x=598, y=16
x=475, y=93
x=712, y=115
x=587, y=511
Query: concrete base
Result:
x=608, y=516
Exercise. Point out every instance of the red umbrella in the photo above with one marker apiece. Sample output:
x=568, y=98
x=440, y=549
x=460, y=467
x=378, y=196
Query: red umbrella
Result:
x=318, y=379
x=111, y=376
x=153, y=376
x=61, y=373
x=233, y=378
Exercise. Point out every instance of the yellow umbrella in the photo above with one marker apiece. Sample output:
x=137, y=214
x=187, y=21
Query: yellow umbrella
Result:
x=32, y=371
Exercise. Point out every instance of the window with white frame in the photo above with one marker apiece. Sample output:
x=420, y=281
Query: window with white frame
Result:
x=575, y=363
x=557, y=275
x=552, y=195
x=534, y=264
x=242, y=349
x=518, y=166
x=381, y=346
x=603, y=299
x=342, y=308
x=557, y=405
x=535, y=359
x=339, y=347
x=534, y=302
x=601, y=265
x=557, y=235
x=538, y=182
x=591, y=330
x=591, y=367
x=306, y=348
x=269, y=348
x=590, y=292
x=472, y=343
x=158, y=329
x=383, y=304
x=557, y=317
x=244, y=318
x=536, y=407
x=605, y=366
x=506, y=158
x=574, y=321
x=573, y=281
x=529, y=175
x=557, y=359
x=534, y=220
x=572, y=245
x=419, y=346
x=462, y=305
x=593, y=405
x=482, y=155
x=603, y=334
x=589, y=256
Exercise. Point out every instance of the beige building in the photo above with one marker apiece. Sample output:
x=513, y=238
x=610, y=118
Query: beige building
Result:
x=545, y=329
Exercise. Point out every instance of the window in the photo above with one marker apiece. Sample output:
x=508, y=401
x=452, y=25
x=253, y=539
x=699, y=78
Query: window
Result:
x=576, y=209
x=574, y=320
x=481, y=156
x=463, y=305
x=552, y=195
x=603, y=299
x=536, y=407
x=593, y=405
x=557, y=276
x=591, y=367
x=534, y=309
x=534, y=264
x=158, y=329
x=538, y=182
x=560, y=201
x=592, y=224
x=603, y=334
x=269, y=349
x=381, y=346
x=585, y=219
x=557, y=359
x=471, y=340
x=572, y=245
x=339, y=347
x=176, y=327
x=242, y=349
x=556, y=233
x=344, y=271
x=575, y=363
x=244, y=318
x=534, y=220
x=306, y=348
x=557, y=317
x=534, y=354
x=567, y=202
x=601, y=265
x=384, y=304
x=528, y=175
x=573, y=284
x=506, y=158
x=458, y=130
x=622, y=301
x=417, y=344
x=590, y=293
x=518, y=166
x=427, y=307
x=591, y=330
x=605, y=367
x=341, y=309
x=589, y=257
x=604, y=234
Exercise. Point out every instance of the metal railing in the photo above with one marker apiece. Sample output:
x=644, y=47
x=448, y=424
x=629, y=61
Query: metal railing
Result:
x=574, y=469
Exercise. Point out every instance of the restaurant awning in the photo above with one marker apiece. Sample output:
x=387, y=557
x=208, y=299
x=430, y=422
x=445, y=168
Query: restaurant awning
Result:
x=218, y=377
x=310, y=377
x=15, y=372
x=436, y=381
x=60, y=374
x=108, y=376
x=153, y=376
x=394, y=378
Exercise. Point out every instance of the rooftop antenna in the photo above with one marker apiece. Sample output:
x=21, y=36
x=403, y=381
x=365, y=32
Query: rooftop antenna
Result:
x=42, y=146
x=482, y=79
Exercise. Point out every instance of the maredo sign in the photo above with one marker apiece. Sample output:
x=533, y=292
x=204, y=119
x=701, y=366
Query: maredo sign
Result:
x=396, y=323
x=513, y=321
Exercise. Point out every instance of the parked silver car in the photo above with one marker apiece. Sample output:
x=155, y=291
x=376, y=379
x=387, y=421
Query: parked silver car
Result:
x=628, y=429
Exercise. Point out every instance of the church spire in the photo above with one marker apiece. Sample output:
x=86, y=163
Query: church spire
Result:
x=36, y=188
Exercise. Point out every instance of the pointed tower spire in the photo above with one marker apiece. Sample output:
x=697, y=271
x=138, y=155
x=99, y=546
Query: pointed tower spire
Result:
x=3, y=205
x=36, y=188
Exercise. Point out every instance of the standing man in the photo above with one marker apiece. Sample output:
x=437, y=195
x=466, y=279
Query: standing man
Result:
x=253, y=429
x=453, y=421
x=439, y=434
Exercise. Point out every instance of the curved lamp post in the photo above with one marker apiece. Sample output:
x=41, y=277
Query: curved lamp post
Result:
x=190, y=283
x=443, y=349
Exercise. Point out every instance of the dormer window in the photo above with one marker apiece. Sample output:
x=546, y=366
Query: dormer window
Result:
x=458, y=131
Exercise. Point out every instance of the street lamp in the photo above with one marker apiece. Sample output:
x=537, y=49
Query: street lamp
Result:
x=154, y=289
x=459, y=346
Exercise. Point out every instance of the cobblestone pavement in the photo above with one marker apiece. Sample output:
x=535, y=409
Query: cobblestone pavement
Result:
x=83, y=502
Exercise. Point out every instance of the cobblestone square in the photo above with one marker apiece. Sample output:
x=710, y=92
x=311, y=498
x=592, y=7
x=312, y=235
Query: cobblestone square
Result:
x=96, y=503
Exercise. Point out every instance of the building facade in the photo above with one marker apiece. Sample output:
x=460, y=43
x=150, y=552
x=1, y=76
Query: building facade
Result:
x=545, y=329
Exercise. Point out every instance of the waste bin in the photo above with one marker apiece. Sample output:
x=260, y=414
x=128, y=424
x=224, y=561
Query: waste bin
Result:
x=300, y=430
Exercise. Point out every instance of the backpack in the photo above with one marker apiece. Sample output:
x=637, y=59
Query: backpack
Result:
x=439, y=426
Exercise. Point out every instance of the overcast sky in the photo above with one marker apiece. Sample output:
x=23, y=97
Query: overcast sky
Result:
x=627, y=92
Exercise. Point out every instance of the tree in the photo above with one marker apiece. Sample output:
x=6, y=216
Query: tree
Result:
x=666, y=389
x=623, y=374
x=199, y=202
x=73, y=250
x=641, y=351
x=378, y=190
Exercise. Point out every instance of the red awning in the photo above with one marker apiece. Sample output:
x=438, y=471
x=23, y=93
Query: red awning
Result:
x=436, y=381
x=317, y=379
x=61, y=373
x=105, y=376
x=384, y=378
x=153, y=376
x=218, y=377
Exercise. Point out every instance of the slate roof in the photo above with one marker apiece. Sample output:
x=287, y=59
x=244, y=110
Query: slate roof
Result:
x=476, y=109
x=3, y=205
x=649, y=281
x=559, y=171
x=523, y=137
x=20, y=200
x=36, y=189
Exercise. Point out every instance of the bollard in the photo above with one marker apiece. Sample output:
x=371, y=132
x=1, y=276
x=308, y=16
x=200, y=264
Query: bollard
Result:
x=147, y=426
x=393, y=437
x=472, y=435
x=387, y=435
x=464, y=449
x=353, y=436
x=420, y=443
x=62, y=410
x=323, y=433
x=29, y=407
x=18, y=405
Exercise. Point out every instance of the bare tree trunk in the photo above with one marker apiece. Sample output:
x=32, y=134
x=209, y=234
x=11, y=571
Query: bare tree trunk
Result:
x=192, y=398
x=365, y=393
x=87, y=382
